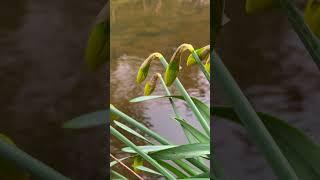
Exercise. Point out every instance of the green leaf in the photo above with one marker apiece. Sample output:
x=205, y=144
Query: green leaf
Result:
x=7, y=169
x=299, y=150
x=182, y=152
x=126, y=128
x=202, y=138
x=196, y=179
x=96, y=50
x=203, y=175
x=116, y=175
x=171, y=168
x=147, y=149
x=146, y=169
x=116, y=162
x=254, y=6
x=203, y=108
x=88, y=120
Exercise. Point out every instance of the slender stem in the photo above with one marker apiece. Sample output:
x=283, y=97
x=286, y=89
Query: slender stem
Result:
x=174, y=107
x=203, y=69
x=252, y=122
x=188, y=134
x=309, y=40
x=188, y=99
x=141, y=153
x=26, y=162
x=126, y=167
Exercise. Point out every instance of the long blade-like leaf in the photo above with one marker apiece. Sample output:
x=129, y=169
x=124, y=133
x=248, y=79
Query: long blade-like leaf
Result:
x=146, y=169
x=203, y=108
x=126, y=128
x=301, y=152
x=88, y=120
x=147, y=149
x=182, y=152
x=202, y=138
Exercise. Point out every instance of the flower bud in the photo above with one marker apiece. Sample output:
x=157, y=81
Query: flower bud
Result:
x=151, y=85
x=312, y=16
x=173, y=68
x=143, y=72
x=144, y=68
x=137, y=161
x=253, y=6
x=207, y=65
x=202, y=54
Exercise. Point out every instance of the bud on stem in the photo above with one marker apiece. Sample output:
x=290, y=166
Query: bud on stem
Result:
x=173, y=68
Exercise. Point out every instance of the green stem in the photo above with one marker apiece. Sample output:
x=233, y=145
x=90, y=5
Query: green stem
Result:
x=174, y=107
x=26, y=162
x=203, y=69
x=252, y=122
x=309, y=40
x=141, y=153
x=188, y=99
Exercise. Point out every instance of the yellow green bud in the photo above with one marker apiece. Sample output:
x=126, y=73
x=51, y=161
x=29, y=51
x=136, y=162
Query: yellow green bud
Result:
x=138, y=161
x=143, y=72
x=312, y=16
x=144, y=68
x=202, y=53
x=151, y=85
x=207, y=65
x=96, y=50
x=173, y=68
x=254, y=6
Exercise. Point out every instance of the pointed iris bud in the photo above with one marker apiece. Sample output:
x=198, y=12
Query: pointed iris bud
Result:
x=151, y=85
x=173, y=68
x=138, y=161
x=144, y=68
x=207, y=65
x=312, y=16
x=202, y=53
x=254, y=6
x=143, y=72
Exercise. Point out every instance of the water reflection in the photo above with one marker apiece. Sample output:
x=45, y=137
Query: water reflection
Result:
x=276, y=73
x=141, y=27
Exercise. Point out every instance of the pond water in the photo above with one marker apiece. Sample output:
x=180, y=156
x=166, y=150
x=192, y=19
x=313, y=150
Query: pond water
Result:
x=44, y=83
x=139, y=28
x=278, y=76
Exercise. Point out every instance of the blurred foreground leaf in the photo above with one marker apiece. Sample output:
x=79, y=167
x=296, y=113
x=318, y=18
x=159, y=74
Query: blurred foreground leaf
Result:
x=300, y=151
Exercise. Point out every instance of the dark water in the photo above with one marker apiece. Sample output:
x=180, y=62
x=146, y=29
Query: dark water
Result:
x=276, y=73
x=139, y=28
x=44, y=83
